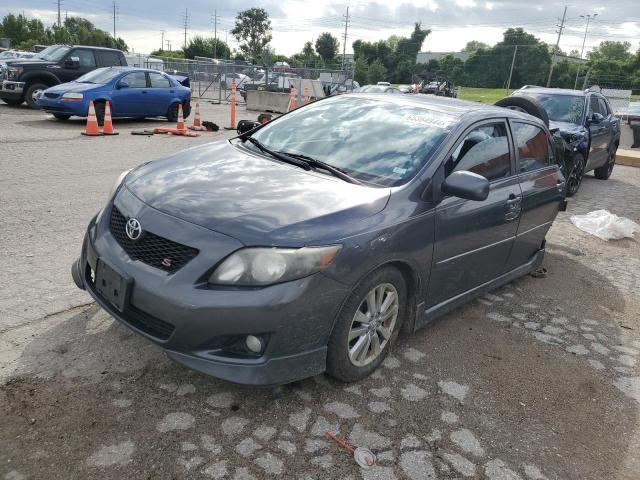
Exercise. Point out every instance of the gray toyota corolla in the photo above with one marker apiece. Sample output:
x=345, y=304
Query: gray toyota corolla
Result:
x=308, y=244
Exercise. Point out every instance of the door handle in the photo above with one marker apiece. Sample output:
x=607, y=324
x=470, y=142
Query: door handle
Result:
x=144, y=91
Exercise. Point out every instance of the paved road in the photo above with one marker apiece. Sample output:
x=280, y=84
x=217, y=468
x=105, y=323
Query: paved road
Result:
x=538, y=379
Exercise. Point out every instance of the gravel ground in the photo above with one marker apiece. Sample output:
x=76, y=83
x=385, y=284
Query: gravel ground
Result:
x=538, y=379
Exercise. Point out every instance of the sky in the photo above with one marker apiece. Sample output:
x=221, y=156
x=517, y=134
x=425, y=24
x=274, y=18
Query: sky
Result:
x=452, y=22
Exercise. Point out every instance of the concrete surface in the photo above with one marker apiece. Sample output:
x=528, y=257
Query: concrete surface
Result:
x=628, y=157
x=536, y=380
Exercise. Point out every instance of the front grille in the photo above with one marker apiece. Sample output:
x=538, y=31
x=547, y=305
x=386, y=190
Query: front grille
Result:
x=51, y=95
x=150, y=248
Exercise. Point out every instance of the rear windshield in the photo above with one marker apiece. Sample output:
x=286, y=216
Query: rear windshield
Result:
x=101, y=75
x=376, y=141
x=561, y=108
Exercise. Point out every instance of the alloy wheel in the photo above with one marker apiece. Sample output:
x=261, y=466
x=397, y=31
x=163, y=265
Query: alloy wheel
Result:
x=611, y=162
x=35, y=95
x=575, y=177
x=373, y=324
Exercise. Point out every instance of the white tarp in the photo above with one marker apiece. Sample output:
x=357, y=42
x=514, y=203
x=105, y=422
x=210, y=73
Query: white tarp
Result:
x=605, y=225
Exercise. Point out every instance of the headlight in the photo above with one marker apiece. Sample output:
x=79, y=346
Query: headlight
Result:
x=120, y=179
x=265, y=266
x=13, y=73
x=72, y=96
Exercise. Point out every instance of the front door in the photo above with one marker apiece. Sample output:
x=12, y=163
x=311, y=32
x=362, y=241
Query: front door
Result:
x=599, y=132
x=86, y=63
x=129, y=100
x=474, y=238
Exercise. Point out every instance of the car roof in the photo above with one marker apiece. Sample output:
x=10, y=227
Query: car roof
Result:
x=450, y=106
x=84, y=46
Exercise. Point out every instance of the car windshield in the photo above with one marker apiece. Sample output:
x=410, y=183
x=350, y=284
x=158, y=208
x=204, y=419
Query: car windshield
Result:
x=561, y=108
x=53, y=54
x=101, y=75
x=375, y=141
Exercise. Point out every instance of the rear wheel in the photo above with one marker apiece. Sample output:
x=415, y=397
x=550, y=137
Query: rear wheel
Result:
x=604, y=172
x=172, y=113
x=32, y=94
x=99, y=107
x=367, y=326
x=576, y=172
x=522, y=103
x=14, y=102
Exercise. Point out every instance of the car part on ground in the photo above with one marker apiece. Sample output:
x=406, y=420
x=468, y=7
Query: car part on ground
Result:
x=605, y=225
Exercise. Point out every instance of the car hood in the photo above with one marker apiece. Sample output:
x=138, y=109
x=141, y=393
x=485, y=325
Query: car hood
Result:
x=227, y=188
x=73, y=87
x=28, y=62
x=565, y=126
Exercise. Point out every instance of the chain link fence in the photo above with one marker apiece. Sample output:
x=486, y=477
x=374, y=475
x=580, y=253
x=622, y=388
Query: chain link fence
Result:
x=211, y=79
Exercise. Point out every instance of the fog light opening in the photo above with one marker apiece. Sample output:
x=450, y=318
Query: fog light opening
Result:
x=254, y=344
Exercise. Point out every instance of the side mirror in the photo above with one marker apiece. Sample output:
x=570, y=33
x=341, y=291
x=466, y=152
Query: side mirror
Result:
x=467, y=185
x=122, y=85
x=72, y=62
x=246, y=125
x=596, y=118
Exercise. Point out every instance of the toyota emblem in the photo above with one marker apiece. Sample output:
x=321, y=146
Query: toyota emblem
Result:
x=133, y=229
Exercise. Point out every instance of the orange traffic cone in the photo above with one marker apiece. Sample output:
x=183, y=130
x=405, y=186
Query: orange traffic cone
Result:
x=197, y=125
x=292, y=99
x=92, y=130
x=107, y=128
x=180, y=125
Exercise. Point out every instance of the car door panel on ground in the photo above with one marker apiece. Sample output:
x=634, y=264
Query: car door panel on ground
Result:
x=474, y=238
x=600, y=132
x=542, y=187
x=130, y=101
x=159, y=95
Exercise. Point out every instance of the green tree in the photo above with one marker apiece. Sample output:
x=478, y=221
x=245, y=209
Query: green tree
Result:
x=474, y=46
x=611, y=50
x=253, y=28
x=360, y=69
x=377, y=72
x=327, y=47
x=206, y=47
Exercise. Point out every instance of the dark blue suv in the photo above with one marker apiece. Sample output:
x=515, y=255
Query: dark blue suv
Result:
x=588, y=132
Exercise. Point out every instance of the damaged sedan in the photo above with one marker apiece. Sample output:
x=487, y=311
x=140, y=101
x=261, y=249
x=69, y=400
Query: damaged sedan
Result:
x=307, y=244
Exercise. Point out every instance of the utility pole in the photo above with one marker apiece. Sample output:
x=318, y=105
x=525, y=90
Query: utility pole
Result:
x=214, y=19
x=344, y=42
x=168, y=42
x=114, y=19
x=162, y=41
x=586, y=29
x=186, y=24
x=555, y=52
x=59, y=17
x=513, y=61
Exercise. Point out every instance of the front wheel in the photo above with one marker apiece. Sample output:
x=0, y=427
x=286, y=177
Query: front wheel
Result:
x=576, y=172
x=367, y=326
x=32, y=94
x=604, y=172
x=14, y=102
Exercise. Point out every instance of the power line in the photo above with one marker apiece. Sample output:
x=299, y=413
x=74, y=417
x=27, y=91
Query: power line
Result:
x=162, y=40
x=214, y=19
x=555, y=51
x=186, y=25
x=59, y=16
x=114, y=19
x=344, y=43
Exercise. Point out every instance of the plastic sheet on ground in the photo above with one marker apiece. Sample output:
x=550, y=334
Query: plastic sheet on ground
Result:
x=605, y=225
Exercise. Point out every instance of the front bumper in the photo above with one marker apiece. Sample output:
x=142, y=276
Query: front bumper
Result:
x=10, y=89
x=56, y=105
x=192, y=321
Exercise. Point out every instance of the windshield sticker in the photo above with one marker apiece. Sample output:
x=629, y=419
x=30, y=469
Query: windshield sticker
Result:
x=400, y=171
x=442, y=121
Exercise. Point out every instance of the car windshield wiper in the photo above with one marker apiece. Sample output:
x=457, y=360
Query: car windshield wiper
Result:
x=280, y=156
x=335, y=171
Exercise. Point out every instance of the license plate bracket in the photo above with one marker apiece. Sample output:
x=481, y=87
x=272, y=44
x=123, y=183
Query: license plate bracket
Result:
x=112, y=286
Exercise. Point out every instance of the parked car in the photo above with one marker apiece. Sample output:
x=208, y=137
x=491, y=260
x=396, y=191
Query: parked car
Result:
x=441, y=87
x=585, y=121
x=306, y=244
x=378, y=89
x=12, y=54
x=405, y=88
x=25, y=80
x=131, y=92
x=227, y=78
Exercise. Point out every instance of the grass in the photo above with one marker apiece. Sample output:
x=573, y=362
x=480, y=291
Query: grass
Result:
x=483, y=95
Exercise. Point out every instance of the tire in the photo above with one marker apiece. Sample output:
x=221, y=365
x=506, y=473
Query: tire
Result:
x=575, y=175
x=99, y=107
x=31, y=91
x=345, y=361
x=604, y=172
x=60, y=116
x=172, y=113
x=13, y=101
x=525, y=104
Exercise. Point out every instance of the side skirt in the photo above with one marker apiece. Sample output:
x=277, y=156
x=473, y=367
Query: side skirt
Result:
x=440, y=309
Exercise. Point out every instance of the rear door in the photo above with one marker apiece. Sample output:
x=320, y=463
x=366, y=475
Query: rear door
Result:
x=542, y=187
x=473, y=239
x=107, y=58
x=130, y=101
x=599, y=133
x=160, y=94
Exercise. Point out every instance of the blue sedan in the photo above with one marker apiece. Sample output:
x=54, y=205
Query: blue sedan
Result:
x=131, y=92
